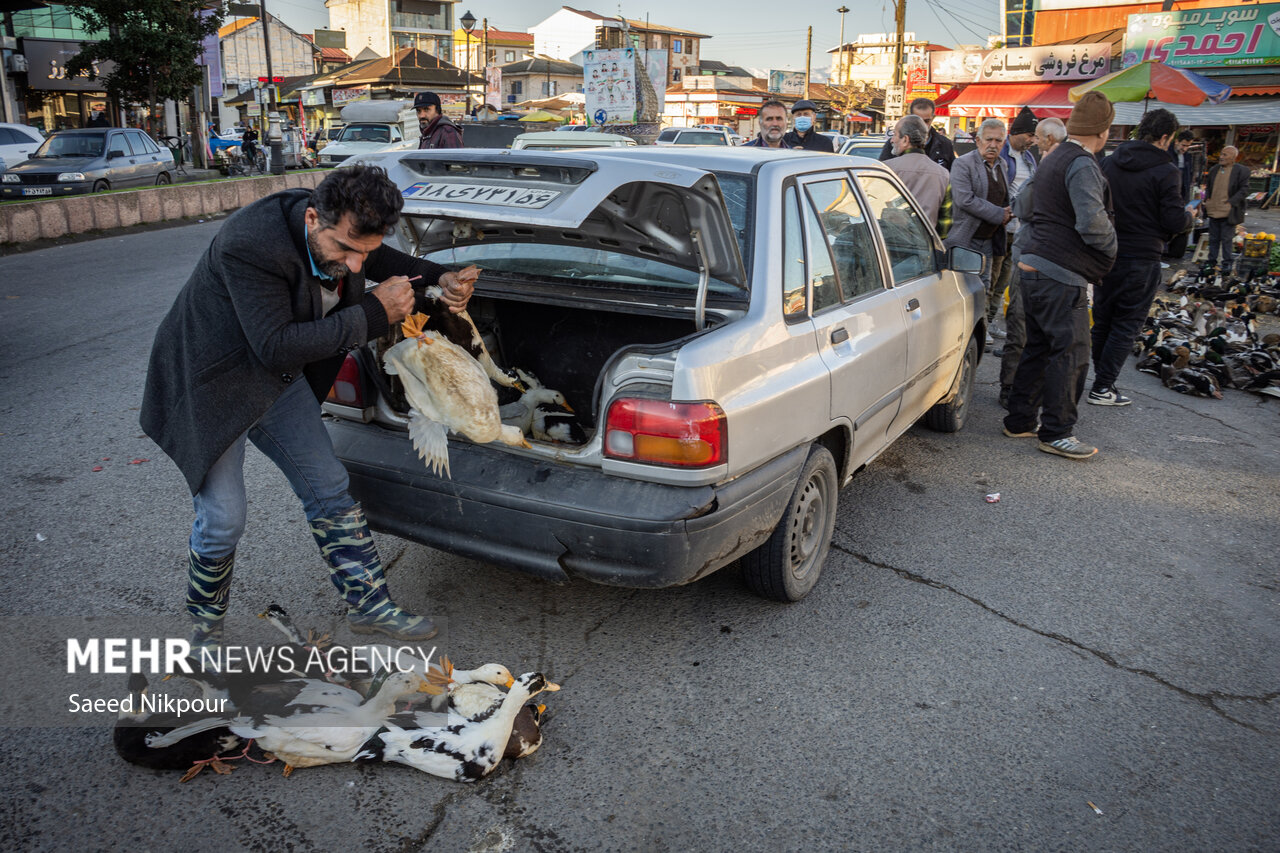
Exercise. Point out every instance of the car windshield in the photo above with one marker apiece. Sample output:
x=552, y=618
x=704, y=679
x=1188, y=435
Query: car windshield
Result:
x=72, y=145
x=698, y=137
x=559, y=263
x=365, y=133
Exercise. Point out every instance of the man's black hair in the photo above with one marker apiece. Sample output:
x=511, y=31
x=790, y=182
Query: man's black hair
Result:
x=365, y=192
x=1157, y=123
x=1185, y=136
x=772, y=103
x=923, y=102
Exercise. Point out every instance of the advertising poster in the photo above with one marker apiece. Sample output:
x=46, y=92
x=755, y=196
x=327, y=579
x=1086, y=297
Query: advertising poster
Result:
x=786, y=82
x=655, y=62
x=342, y=97
x=1224, y=36
x=609, y=86
x=493, y=85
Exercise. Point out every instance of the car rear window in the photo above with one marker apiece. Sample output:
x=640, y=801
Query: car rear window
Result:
x=698, y=137
x=667, y=135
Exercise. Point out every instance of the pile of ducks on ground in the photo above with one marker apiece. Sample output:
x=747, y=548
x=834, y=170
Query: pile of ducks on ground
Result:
x=307, y=718
x=452, y=384
x=1208, y=338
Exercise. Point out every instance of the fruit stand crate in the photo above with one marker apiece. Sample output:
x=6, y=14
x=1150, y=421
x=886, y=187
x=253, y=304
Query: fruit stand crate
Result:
x=1257, y=247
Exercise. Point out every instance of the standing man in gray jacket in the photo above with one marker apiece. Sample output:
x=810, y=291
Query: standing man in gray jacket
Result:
x=981, y=204
x=252, y=345
x=926, y=180
x=1072, y=244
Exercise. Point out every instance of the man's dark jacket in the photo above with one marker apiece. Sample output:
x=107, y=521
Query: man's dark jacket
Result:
x=247, y=323
x=1146, y=189
x=441, y=133
x=938, y=149
x=811, y=141
x=1237, y=189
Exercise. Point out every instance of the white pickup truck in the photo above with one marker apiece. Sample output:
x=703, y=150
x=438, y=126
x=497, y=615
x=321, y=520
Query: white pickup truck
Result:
x=373, y=126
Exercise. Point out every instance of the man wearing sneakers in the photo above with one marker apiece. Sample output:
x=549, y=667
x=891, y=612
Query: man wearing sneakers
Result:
x=1147, y=188
x=1073, y=243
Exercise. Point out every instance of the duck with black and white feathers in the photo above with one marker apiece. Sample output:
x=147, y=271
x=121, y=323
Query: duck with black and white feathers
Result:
x=463, y=750
x=137, y=739
x=473, y=694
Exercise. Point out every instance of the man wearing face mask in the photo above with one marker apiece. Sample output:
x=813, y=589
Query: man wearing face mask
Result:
x=803, y=135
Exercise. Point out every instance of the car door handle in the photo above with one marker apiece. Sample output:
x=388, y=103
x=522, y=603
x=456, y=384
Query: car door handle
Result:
x=913, y=304
x=839, y=335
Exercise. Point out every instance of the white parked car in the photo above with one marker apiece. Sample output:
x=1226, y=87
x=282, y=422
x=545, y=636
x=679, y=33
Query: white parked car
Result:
x=668, y=135
x=737, y=333
x=18, y=142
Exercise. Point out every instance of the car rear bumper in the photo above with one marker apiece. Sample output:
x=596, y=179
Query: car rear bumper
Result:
x=560, y=521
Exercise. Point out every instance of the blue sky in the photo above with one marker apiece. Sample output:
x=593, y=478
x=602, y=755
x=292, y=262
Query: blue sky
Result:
x=760, y=34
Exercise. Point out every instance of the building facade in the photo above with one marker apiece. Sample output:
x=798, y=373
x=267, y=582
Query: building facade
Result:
x=490, y=47
x=568, y=32
x=384, y=26
x=539, y=77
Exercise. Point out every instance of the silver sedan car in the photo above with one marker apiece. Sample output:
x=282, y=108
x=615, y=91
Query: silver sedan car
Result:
x=90, y=159
x=736, y=332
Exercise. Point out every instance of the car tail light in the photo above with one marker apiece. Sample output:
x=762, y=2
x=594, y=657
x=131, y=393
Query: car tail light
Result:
x=684, y=435
x=348, y=387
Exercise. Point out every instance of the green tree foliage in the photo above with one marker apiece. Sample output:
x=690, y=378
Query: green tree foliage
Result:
x=154, y=44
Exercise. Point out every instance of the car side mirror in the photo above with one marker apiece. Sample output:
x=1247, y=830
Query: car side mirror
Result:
x=114, y=153
x=962, y=259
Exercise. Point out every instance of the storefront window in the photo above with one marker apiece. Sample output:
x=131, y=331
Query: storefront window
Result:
x=52, y=111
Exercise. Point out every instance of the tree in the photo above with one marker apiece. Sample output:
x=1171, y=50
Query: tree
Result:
x=153, y=43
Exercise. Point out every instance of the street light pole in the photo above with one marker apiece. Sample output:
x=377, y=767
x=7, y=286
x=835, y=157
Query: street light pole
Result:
x=273, y=138
x=842, y=74
x=468, y=24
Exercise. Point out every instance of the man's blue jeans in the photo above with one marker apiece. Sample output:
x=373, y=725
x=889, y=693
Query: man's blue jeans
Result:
x=292, y=436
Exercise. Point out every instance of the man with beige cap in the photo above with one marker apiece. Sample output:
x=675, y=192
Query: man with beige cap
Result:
x=1073, y=244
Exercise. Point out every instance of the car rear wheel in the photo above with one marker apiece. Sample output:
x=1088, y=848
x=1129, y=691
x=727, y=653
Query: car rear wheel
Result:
x=789, y=563
x=101, y=186
x=950, y=416
x=162, y=179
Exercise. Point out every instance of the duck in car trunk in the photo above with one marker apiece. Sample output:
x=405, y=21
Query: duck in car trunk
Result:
x=618, y=282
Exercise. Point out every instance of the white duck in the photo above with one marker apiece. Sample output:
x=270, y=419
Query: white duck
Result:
x=447, y=389
x=323, y=724
x=467, y=692
x=463, y=750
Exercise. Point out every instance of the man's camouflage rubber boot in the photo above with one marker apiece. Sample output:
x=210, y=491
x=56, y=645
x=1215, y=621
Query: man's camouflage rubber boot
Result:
x=347, y=545
x=208, y=590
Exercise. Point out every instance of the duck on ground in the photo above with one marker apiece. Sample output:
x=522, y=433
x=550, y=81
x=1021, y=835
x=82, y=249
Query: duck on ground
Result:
x=474, y=694
x=137, y=735
x=463, y=750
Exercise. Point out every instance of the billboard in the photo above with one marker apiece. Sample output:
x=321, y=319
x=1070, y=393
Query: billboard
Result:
x=46, y=64
x=786, y=82
x=1221, y=35
x=1049, y=64
x=342, y=97
x=655, y=62
x=609, y=86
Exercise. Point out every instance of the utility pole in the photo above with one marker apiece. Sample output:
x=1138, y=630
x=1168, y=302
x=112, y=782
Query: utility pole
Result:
x=273, y=135
x=900, y=18
x=808, y=55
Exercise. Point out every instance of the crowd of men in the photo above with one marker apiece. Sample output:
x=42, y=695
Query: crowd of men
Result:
x=1054, y=230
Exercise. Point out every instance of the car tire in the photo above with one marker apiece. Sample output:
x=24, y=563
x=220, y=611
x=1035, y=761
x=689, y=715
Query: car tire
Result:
x=163, y=179
x=950, y=416
x=787, y=566
x=101, y=186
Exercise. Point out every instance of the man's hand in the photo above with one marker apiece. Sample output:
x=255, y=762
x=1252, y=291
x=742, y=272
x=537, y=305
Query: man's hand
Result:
x=1008, y=214
x=457, y=287
x=397, y=298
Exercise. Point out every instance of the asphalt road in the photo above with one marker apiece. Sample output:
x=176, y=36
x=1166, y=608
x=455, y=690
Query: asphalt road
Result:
x=966, y=676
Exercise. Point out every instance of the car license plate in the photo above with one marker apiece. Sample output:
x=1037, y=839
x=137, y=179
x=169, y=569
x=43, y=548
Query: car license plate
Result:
x=37, y=190
x=481, y=194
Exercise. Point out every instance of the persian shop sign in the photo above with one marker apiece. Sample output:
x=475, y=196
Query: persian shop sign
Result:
x=1222, y=35
x=1048, y=64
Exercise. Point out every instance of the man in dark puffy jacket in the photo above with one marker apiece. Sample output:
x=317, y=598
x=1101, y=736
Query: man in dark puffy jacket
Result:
x=1146, y=187
x=938, y=148
x=437, y=131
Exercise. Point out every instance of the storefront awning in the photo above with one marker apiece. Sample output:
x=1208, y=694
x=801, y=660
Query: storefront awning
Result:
x=1234, y=111
x=1004, y=100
